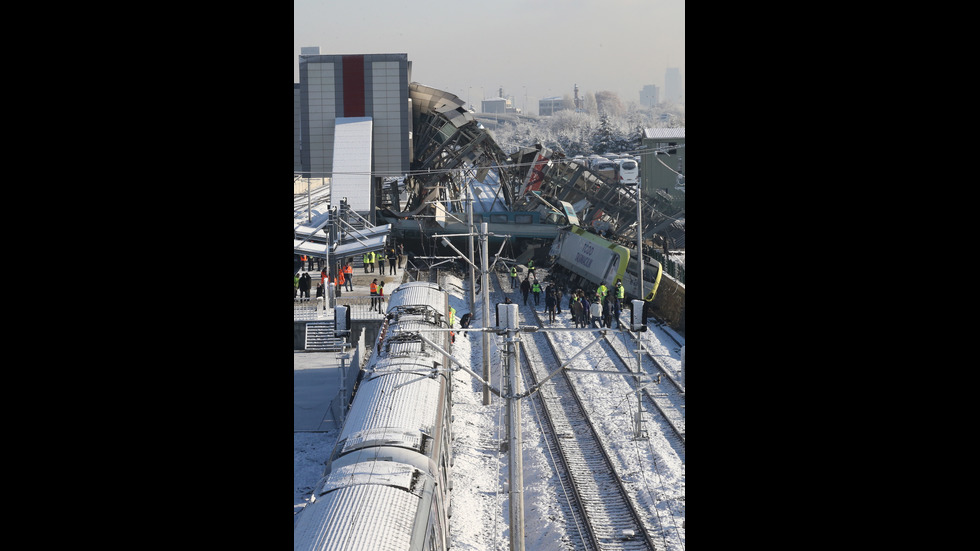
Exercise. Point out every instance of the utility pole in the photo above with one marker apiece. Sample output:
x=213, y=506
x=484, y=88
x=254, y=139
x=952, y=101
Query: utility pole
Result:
x=484, y=289
x=484, y=264
x=469, y=226
x=638, y=432
x=516, y=466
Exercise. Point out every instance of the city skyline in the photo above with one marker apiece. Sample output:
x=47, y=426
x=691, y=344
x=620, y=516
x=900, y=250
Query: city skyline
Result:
x=532, y=50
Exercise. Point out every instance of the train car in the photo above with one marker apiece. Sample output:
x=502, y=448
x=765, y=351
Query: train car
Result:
x=387, y=481
x=598, y=260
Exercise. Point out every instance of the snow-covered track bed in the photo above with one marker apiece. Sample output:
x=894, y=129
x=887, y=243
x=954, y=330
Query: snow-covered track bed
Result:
x=659, y=390
x=610, y=513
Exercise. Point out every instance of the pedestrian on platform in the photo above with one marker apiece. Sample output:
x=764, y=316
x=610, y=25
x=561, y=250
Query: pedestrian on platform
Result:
x=304, y=285
x=374, y=293
x=341, y=280
x=381, y=297
x=513, y=278
x=392, y=258
x=595, y=310
x=401, y=254
x=549, y=303
x=558, y=295
x=575, y=306
x=607, y=313
x=349, y=276
x=365, y=262
x=381, y=262
x=530, y=266
x=536, y=289
x=525, y=288
x=295, y=283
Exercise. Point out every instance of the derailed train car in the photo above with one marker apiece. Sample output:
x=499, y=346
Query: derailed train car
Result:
x=598, y=260
x=386, y=485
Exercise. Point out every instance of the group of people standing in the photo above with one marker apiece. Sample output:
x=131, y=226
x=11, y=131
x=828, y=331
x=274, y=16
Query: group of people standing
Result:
x=393, y=258
x=599, y=311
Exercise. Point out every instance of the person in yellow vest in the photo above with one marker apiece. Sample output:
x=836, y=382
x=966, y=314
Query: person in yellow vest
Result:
x=374, y=293
x=602, y=291
x=371, y=260
x=365, y=262
x=513, y=278
x=618, y=303
x=381, y=297
x=452, y=324
x=295, y=283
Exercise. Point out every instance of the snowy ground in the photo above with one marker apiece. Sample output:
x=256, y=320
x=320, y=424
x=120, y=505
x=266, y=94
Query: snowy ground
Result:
x=479, y=499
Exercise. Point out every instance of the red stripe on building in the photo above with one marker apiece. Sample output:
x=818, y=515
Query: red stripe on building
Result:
x=353, y=85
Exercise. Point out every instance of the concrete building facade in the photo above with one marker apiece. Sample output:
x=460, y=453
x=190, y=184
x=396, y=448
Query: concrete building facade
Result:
x=354, y=86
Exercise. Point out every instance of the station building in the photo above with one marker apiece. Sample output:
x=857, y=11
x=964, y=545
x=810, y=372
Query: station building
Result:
x=354, y=103
x=653, y=174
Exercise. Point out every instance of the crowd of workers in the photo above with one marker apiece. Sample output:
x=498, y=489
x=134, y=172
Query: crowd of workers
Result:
x=597, y=308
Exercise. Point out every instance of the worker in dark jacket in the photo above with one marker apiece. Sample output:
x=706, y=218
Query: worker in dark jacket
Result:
x=304, y=285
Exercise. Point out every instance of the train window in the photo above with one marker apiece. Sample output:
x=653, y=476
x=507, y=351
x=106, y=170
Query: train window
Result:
x=523, y=218
x=498, y=218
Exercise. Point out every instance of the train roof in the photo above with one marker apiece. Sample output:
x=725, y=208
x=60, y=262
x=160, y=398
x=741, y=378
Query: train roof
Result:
x=369, y=505
x=402, y=404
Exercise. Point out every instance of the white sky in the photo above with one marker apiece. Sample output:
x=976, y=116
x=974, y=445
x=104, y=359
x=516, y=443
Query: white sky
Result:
x=472, y=47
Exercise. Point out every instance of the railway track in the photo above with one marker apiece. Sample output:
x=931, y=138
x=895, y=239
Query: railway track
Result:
x=599, y=509
x=659, y=390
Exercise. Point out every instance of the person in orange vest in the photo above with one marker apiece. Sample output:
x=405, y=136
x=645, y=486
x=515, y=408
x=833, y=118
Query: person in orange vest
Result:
x=340, y=280
x=374, y=293
x=302, y=258
x=349, y=273
x=381, y=297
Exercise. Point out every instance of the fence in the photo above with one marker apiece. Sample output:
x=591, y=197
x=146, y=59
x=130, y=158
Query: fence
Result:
x=361, y=308
x=674, y=269
x=349, y=370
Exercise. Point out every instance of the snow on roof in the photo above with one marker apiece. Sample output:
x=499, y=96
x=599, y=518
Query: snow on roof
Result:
x=663, y=132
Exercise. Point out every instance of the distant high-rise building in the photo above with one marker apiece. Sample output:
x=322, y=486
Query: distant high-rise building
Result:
x=548, y=106
x=649, y=95
x=297, y=130
x=372, y=86
x=673, y=90
x=494, y=105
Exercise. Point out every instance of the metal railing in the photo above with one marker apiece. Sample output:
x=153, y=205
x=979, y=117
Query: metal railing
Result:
x=361, y=308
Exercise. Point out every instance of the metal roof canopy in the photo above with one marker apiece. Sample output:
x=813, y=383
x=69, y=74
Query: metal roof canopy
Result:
x=352, y=248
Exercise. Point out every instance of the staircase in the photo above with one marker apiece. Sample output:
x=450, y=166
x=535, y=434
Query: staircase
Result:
x=319, y=336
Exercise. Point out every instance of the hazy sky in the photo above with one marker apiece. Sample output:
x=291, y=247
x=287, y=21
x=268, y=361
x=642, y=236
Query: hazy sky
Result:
x=540, y=48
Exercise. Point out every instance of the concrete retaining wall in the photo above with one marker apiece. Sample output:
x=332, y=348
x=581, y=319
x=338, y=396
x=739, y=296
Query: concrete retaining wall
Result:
x=669, y=303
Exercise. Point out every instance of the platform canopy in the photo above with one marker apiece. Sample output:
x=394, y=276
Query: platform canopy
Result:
x=312, y=241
